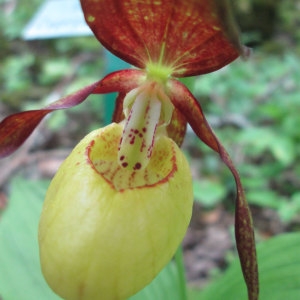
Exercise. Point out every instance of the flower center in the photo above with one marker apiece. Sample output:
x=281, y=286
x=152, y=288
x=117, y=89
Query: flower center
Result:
x=147, y=111
x=158, y=72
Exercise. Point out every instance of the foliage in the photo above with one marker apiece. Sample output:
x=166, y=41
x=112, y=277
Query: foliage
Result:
x=12, y=16
x=20, y=276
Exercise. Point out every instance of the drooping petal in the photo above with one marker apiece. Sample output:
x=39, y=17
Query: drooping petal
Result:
x=192, y=37
x=16, y=128
x=188, y=105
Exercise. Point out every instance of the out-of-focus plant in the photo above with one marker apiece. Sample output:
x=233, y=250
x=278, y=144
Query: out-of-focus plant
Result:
x=119, y=206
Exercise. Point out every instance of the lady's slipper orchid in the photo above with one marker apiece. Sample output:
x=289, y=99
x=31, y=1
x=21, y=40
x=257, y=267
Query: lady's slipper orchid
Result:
x=164, y=39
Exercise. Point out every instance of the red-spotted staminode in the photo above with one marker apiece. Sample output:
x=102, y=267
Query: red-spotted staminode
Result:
x=120, y=204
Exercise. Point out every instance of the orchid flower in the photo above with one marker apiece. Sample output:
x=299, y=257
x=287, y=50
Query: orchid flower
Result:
x=134, y=163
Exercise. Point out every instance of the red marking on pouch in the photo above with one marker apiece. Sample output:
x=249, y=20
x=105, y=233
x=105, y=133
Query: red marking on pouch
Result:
x=143, y=146
x=88, y=150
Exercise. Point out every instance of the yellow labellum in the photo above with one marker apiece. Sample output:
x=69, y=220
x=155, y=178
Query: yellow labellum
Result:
x=105, y=232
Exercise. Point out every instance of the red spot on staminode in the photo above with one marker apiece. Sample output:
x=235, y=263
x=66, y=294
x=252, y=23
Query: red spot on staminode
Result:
x=136, y=131
x=143, y=146
x=124, y=164
x=137, y=166
x=144, y=129
x=122, y=157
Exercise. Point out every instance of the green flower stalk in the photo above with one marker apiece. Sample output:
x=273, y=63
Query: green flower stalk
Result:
x=120, y=204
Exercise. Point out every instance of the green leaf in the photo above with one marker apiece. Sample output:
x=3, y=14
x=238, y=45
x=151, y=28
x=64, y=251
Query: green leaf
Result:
x=20, y=276
x=288, y=209
x=279, y=271
x=54, y=69
x=265, y=198
x=283, y=149
x=209, y=192
x=166, y=286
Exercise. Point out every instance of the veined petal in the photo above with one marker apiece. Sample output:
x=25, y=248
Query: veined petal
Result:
x=183, y=100
x=191, y=37
x=16, y=128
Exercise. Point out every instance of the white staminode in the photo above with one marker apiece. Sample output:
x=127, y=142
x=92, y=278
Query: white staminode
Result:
x=138, y=136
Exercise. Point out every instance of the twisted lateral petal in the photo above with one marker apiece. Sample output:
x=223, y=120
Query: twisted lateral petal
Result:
x=187, y=36
x=16, y=128
x=190, y=108
x=186, y=103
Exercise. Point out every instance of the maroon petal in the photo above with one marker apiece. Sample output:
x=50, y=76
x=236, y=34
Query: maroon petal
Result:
x=192, y=37
x=188, y=105
x=16, y=128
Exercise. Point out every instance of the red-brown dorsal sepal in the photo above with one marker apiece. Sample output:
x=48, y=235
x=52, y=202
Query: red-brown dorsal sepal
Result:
x=191, y=37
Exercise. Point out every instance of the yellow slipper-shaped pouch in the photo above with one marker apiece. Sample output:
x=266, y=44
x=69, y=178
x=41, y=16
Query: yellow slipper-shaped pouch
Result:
x=105, y=231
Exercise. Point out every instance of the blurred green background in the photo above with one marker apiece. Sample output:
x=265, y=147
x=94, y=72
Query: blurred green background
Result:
x=252, y=105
